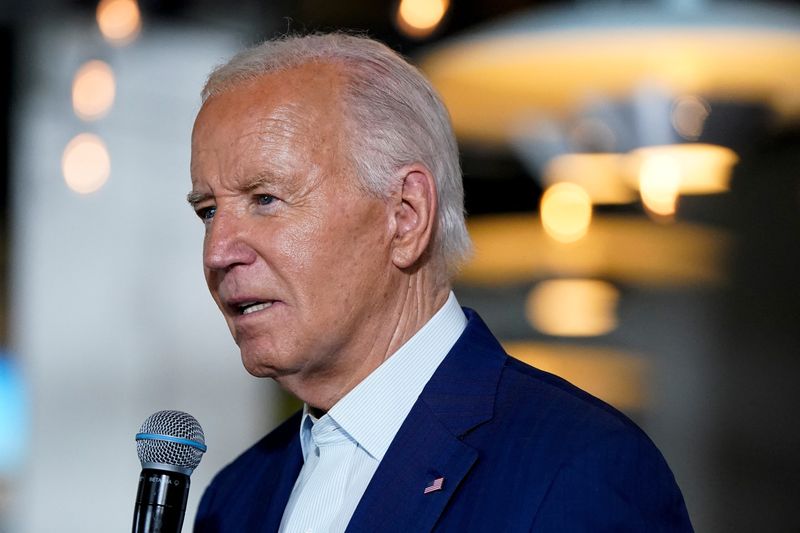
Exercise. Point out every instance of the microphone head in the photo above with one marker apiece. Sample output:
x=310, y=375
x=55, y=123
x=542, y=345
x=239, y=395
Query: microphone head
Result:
x=170, y=440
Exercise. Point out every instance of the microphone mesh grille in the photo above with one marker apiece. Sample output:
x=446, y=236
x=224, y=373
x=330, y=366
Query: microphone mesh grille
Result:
x=173, y=424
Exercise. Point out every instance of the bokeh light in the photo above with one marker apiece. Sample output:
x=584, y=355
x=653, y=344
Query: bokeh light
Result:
x=566, y=211
x=419, y=18
x=592, y=134
x=689, y=114
x=662, y=173
x=573, y=307
x=659, y=184
x=119, y=20
x=93, y=90
x=86, y=164
x=613, y=375
x=13, y=417
x=600, y=175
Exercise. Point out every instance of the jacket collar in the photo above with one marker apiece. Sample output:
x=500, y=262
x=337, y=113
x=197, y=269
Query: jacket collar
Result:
x=461, y=392
x=428, y=450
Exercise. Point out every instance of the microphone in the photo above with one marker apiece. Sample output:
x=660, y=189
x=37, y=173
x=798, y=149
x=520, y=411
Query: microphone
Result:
x=170, y=445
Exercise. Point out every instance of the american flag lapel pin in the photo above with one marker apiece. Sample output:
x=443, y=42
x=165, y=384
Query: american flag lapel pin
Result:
x=434, y=486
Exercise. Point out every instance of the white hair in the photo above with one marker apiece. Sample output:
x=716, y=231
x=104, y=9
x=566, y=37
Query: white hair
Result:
x=400, y=119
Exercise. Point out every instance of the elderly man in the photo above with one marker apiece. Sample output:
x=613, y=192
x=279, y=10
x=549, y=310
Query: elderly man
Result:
x=325, y=171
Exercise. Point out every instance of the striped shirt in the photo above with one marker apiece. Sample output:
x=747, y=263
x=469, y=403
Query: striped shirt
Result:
x=343, y=448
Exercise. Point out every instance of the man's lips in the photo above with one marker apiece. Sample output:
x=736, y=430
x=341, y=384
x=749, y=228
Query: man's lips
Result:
x=246, y=307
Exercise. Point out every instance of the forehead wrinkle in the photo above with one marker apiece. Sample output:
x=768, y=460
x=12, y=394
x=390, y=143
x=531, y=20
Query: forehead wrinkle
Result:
x=285, y=125
x=293, y=130
x=265, y=177
x=281, y=132
x=284, y=118
x=269, y=136
x=294, y=120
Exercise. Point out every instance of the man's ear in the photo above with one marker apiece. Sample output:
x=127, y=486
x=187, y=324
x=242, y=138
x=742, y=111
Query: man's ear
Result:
x=414, y=216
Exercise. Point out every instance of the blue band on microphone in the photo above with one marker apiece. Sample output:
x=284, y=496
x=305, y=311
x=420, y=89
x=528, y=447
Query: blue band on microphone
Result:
x=155, y=436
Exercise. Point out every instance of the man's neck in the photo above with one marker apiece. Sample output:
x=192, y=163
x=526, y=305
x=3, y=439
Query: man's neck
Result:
x=392, y=327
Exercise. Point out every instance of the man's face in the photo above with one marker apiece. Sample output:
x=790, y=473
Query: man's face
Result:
x=296, y=256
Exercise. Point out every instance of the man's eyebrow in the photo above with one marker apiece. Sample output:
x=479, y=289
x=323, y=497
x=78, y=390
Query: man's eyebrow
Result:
x=259, y=180
x=196, y=197
x=248, y=185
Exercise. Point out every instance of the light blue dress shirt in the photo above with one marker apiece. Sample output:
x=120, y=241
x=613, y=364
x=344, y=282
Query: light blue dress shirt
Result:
x=343, y=448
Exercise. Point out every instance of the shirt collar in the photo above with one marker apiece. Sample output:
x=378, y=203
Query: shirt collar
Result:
x=306, y=423
x=374, y=410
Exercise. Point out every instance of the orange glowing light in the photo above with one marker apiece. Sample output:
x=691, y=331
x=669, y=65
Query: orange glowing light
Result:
x=566, y=212
x=662, y=173
x=86, y=164
x=93, y=90
x=573, y=307
x=419, y=18
x=119, y=20
x=600, y=175
x=659, y=184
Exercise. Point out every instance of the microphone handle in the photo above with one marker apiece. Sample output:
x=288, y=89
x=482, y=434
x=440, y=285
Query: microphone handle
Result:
x=160, y=501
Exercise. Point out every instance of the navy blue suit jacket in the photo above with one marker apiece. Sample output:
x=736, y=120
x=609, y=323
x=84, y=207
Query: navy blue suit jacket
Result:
x=519, y=450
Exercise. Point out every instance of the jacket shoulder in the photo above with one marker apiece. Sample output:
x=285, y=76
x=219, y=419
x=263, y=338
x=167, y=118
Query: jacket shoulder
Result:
x=258, y=474
x=558, y=395
x=597, y=457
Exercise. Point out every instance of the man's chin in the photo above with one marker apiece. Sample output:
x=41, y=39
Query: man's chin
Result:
x=260, y=372
x=258, y=366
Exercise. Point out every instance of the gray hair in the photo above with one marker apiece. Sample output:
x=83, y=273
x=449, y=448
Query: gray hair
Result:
x=400, y=116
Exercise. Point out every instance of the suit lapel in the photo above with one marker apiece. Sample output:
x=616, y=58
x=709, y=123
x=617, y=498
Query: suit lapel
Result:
x=422, y=452
x=458, y=397
x=283, y=463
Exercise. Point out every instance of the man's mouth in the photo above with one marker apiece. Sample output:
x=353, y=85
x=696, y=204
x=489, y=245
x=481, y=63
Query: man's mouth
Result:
x=252, y=307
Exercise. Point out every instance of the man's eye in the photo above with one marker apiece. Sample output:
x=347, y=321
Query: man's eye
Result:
x=264, y=199
x=206, y=213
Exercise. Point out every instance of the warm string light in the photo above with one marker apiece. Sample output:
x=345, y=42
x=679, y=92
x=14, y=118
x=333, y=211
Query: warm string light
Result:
x=85, y=163
x=93, y=90
x=119, y=20
x=566, y=212
x=420, y=18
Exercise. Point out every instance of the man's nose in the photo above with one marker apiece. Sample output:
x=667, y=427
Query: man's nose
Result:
x=225, y=243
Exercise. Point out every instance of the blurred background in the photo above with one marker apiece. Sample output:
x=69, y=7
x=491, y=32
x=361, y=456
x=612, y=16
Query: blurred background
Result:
x=632, y=175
